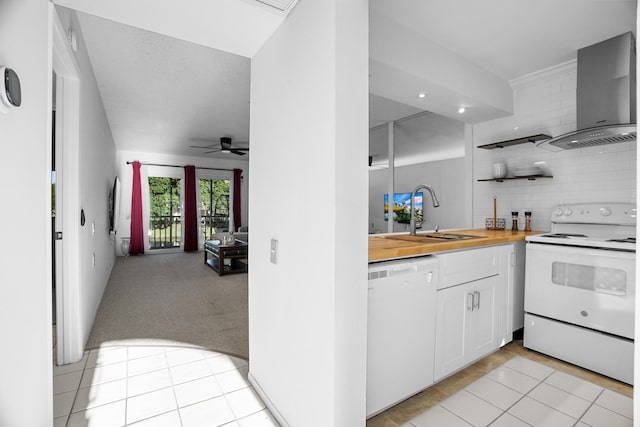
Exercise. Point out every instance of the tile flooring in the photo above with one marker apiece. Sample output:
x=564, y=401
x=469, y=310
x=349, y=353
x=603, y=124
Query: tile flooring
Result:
x=156, y=386
x=176, y=386
x=525, y=393
x=516, y=387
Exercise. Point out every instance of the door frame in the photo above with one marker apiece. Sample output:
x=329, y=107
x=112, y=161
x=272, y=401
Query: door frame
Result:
x=69, y=341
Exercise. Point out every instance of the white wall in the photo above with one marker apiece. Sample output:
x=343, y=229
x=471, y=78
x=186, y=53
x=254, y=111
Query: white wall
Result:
x=546, y=103
x=25, y=306
x=125, y=174
x=97, y=171
x=447, y=177
x=307, y=313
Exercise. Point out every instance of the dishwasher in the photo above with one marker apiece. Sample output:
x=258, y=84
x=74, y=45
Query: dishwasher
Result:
x=400, y=330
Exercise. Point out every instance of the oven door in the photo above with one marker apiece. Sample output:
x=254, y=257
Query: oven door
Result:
x=594, y=288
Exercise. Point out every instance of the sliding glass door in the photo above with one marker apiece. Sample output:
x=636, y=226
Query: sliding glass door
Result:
x=214, y=206
x=165, y=219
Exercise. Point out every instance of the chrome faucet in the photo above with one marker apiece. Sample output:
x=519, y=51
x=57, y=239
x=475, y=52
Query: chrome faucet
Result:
x=412, y=220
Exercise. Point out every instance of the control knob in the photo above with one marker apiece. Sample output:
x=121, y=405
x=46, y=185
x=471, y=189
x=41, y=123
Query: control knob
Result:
x=567, y=212
x=558, y=211
x=605, y=211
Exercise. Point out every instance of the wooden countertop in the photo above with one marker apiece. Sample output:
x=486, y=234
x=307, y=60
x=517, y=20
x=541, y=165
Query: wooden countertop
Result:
x=381, y=248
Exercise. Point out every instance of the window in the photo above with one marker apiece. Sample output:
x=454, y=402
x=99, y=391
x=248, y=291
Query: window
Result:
x=165, y=213
x=214, y=206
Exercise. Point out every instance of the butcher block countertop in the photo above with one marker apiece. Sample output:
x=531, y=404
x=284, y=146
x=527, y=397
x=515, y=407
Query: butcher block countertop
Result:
x=383, y=248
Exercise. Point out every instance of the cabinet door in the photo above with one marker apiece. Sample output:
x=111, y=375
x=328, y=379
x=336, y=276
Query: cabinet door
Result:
x=483, y=327
x=453, y=308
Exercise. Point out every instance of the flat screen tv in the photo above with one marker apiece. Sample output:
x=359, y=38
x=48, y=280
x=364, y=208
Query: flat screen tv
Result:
x=402, y=207
x=114, y=205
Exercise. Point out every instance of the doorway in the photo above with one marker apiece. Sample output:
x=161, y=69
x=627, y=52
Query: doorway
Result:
x=65, y=238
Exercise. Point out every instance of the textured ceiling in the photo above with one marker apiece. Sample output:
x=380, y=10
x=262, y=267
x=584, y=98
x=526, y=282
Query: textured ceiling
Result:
x=162, y=94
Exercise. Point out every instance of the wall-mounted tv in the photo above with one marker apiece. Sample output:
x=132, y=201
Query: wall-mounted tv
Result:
x=402, y=207
x=114, y=206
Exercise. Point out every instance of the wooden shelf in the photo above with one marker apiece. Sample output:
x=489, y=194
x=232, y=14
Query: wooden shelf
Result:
x=525, y=139
x=530, y=178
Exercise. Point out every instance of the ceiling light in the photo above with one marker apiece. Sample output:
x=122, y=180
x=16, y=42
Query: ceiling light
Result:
x=515, y=128
x=461, y=110
x=422, y=95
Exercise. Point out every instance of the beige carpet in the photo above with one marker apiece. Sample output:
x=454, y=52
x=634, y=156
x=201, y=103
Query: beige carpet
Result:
x=173, y=298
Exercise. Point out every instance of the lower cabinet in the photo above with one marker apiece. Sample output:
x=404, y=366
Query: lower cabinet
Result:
x=429, y=317
x=466, y=324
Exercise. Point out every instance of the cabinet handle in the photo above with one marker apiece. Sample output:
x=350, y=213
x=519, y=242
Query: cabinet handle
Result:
x=476, y=300
x=470, y=301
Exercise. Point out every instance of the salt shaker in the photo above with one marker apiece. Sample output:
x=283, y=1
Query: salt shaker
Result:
x=527, y=221
x=514, y=221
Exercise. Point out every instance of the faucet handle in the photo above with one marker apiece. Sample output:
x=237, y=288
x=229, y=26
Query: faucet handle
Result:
x=436, y=228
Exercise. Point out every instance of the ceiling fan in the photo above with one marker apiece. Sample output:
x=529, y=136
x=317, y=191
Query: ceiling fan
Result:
x=225, y=147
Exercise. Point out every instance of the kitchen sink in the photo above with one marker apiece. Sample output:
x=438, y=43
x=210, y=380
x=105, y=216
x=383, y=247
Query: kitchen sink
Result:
x=431, y=237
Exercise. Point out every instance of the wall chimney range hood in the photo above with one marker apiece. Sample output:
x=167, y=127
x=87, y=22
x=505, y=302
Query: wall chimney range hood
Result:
x=606, y=96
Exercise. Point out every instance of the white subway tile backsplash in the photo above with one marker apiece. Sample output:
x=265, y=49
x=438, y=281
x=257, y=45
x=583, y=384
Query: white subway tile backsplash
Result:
x=547, y=104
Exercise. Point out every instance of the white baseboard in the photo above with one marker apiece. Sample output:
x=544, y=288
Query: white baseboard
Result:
x=270, y=406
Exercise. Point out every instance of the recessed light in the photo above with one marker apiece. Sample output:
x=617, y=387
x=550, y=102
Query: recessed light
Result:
x=515, y=128
x=461, y=110
x=422, y=95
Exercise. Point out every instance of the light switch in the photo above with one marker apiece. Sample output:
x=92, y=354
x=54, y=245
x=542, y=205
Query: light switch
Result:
x=274, y=251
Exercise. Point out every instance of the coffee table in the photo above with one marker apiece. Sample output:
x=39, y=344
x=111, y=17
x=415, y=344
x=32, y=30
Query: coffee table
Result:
x=236, y=253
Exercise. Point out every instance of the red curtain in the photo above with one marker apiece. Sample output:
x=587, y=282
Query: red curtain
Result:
x=237, y=205
x=136, y=242
x=190, y=210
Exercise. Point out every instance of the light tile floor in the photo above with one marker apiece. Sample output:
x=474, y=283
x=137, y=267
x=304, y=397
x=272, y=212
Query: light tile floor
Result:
x=522, y=392
x=156, y=386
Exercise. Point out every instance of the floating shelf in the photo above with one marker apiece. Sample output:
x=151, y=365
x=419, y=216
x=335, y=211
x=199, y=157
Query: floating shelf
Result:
x=530, y=178
x=525, y=139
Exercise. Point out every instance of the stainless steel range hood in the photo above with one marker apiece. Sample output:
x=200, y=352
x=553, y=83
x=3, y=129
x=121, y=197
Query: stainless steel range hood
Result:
x=606, y=96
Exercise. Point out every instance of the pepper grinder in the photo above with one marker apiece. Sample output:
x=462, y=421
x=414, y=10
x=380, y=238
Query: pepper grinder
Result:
x=514, y=221
x=527, y=221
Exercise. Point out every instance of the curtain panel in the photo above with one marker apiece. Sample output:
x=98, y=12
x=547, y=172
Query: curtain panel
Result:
x=237, y=204
x=190, y=234
x=136, y=240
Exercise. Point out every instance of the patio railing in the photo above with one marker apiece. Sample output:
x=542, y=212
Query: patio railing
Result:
x=165, y=231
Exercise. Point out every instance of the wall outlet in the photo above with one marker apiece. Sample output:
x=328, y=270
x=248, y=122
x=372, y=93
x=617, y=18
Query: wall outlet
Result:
x=274, y=251
x=93, y=260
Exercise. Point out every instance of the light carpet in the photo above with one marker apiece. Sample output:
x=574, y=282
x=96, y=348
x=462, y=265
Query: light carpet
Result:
x=173, y=299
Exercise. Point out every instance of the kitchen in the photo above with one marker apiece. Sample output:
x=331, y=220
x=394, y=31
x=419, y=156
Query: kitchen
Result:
x=544, y=103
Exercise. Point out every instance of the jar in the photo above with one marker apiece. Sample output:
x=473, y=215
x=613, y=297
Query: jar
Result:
x=527, y=221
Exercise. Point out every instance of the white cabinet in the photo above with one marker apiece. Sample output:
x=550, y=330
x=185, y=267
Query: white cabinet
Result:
x=474, y=306
x=429, y=317
x=401, y=330
x=466, y=324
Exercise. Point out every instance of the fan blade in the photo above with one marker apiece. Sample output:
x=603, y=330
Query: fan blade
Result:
x=200, y=146
x=239, y=151
x=212, y=151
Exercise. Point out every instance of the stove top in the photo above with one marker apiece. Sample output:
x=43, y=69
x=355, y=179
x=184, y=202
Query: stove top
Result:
x=596, y=225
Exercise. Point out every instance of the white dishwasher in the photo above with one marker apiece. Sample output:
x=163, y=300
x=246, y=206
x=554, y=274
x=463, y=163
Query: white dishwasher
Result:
x=400, y=330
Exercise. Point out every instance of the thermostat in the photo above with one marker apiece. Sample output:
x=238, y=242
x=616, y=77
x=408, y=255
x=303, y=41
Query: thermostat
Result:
x=10, y=93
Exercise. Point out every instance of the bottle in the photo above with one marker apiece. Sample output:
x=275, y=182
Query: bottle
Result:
x=527, y=221
x=514, y=221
